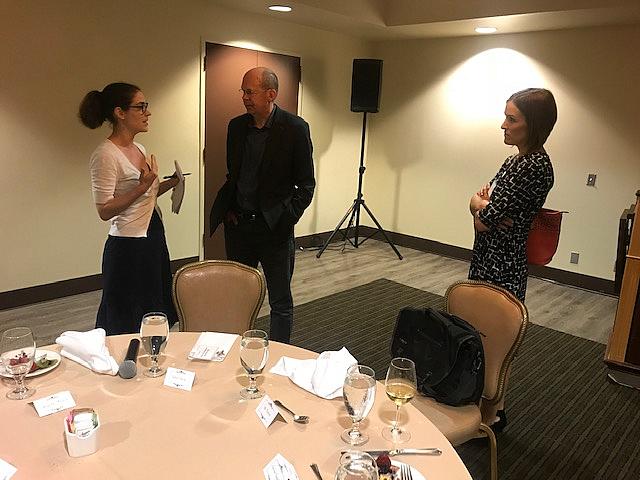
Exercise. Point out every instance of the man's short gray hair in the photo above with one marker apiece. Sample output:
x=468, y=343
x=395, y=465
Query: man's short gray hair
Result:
x=269, y=79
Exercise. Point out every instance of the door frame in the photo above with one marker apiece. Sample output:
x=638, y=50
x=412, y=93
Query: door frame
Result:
x=202, y=210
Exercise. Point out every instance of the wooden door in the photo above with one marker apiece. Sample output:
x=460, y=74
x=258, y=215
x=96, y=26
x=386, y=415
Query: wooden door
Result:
x=224, y=69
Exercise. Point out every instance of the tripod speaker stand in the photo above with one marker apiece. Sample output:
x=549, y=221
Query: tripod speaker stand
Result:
x=353, y=213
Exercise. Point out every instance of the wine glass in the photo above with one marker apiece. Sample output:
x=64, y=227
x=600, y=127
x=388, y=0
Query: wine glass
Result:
x=254, y=351
x=400, y=386
x=359, y=393
x=154, y=331
x=356, y=465
x=17, y=351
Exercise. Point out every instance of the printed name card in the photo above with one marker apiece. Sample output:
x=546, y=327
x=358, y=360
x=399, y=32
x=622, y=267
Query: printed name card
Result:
x=279, y=469
x=6, y=470
x=267, y=411
x=54, y=403
x=177, y=378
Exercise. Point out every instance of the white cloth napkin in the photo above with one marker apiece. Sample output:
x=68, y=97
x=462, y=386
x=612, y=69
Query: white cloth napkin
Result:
x=323, y=376
x=89, y=350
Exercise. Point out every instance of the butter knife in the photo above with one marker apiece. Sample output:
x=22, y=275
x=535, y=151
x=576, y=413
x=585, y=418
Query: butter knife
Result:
x=316, y=470
x=405, y=451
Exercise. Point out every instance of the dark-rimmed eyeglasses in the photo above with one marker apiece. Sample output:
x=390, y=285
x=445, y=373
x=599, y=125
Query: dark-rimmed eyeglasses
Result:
x=142, y=106
x=250, y=93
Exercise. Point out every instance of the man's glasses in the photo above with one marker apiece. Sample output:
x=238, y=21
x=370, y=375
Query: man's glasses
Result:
x=250, y=93
x=142, y=106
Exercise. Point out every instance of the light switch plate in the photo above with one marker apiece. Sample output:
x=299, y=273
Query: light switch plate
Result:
x=591, y=180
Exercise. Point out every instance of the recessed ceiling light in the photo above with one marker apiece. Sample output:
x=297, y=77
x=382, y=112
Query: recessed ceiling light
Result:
x=486, y=29
x=280, y=8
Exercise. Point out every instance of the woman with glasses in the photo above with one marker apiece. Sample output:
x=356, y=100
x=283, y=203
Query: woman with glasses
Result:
x=125, y=185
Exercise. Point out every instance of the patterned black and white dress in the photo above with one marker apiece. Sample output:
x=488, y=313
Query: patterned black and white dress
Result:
x=519, y=191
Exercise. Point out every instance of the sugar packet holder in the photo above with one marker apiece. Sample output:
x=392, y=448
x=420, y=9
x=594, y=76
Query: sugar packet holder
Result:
x=81, y=432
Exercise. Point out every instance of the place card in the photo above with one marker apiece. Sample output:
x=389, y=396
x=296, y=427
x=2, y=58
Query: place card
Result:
x=279, y=469
x=54, y=403
x=177, y=378
x=267, y=411
x=6, y=470
x=212, y=346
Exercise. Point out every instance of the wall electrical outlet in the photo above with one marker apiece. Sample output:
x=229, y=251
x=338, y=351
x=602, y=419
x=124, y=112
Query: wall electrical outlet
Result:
x=591, y=180
x=575, y=256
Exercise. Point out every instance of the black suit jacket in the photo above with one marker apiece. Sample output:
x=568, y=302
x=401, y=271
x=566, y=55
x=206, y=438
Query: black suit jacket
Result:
x=286, y=180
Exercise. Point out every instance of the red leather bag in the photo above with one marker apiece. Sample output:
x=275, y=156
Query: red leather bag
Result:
x=544, y=236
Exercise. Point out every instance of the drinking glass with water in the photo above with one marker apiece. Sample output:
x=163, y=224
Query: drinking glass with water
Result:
x=254, y=351
x=359, y=393
x=154, y=331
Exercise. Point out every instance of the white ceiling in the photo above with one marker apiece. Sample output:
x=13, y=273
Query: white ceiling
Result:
x=388, y=19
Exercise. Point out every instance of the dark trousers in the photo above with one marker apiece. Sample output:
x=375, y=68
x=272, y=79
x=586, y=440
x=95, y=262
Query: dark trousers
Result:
x=252, y=242
x=136, y=280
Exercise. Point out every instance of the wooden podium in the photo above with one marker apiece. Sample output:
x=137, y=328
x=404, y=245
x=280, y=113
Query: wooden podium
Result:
x=623, y=350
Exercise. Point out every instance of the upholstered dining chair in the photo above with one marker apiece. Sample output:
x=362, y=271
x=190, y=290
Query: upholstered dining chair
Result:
x=502, y=320
x=217, y=295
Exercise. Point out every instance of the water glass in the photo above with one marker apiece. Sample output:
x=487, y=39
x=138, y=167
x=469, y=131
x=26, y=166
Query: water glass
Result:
x=17, y=351
x=254, y=351
x=154, y=331
x=356, y=465
x=359, y=392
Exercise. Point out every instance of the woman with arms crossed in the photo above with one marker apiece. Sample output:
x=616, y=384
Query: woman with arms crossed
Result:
x=125, y=185
x=504, y=209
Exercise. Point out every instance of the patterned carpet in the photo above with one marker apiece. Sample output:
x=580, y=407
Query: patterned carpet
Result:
x=361, y=319
x=566, y=421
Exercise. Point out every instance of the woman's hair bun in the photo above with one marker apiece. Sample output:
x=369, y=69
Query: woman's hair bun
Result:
x=91, y=112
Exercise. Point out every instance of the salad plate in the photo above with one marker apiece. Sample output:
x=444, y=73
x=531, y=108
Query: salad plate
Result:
x=52, y=357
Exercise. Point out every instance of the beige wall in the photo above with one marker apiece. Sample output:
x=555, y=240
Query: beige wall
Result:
x=54, y=52
x=437, y=138
x=434, y=142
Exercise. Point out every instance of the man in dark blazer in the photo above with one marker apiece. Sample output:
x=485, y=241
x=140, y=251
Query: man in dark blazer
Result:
x=270, y=182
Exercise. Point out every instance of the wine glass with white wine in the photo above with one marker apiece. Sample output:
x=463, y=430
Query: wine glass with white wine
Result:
x=17, y=351
x=359, y=392
x=154, y=331
x=400, y=386
x=254, y=351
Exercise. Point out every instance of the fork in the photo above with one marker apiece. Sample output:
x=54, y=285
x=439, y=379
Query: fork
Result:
x=405, y=472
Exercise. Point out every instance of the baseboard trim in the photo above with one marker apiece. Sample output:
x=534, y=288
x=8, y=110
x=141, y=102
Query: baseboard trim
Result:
x=595, y=284
x=90, y=283
x=573, y=279
x=63, y=288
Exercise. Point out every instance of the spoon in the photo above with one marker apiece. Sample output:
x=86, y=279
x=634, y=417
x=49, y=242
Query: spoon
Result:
x=296, y=418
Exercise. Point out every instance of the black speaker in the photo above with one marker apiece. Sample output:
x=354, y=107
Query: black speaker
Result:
x=366, y=82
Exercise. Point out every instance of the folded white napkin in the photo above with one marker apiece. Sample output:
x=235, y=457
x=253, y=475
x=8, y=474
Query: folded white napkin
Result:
x=323, y=376
x=89, y=350
x=212, y=346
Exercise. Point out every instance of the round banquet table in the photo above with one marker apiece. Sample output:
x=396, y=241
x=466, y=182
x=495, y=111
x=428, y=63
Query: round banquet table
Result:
x=149, y=430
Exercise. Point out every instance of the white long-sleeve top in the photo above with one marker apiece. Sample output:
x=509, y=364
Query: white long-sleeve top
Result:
x=112, y=174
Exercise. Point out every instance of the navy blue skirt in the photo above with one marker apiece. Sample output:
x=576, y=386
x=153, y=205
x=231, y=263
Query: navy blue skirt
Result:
x=136, y=280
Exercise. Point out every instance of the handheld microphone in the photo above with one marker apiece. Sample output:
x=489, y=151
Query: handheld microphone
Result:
x=127, y=368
